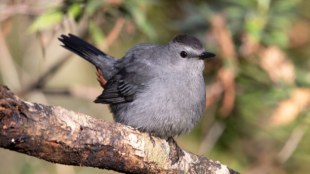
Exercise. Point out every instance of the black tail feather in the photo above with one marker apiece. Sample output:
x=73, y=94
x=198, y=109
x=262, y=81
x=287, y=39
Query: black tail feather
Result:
x=82, y=48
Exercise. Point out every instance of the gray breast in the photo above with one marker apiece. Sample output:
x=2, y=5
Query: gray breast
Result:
x=172, y=106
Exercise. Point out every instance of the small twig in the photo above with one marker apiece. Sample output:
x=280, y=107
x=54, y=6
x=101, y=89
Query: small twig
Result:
x=8, y=69
x=8, y=11
x=223, y=36
x=292, y=143
x=213, y=135
x=284, y=154
x=226, y=75
x=113, y=33
x=43, y=79
x=89, y=93
x=215, y=89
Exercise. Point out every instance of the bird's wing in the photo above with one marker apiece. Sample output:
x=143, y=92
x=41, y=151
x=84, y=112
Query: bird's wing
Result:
x=123, y=86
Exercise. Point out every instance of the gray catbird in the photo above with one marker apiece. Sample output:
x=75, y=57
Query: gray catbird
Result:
x=157, y=89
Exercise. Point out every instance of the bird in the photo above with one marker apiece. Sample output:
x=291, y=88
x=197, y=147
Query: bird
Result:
x=156, y=89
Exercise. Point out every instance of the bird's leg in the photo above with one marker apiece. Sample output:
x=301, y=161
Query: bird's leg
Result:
x=151, y=138
x=175, y=151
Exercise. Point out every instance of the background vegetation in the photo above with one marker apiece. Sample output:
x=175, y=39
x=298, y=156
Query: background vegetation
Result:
x=258, y=91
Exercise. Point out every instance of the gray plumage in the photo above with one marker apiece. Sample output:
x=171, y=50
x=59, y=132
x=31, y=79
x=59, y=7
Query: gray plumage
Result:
x=157, y=89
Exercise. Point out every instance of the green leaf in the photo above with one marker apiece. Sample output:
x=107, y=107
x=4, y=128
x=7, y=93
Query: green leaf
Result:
x=244, y=4
x=278, y=37
x=92, y=6
x=45, y=21
x=96, y=33
x=282, y=6
x=75, y=10
x=254, y=26
x=234, y=12
x=140, y=20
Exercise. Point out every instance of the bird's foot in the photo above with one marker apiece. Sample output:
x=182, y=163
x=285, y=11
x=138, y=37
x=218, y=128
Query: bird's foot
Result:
x=132, y=128
x=176, y=153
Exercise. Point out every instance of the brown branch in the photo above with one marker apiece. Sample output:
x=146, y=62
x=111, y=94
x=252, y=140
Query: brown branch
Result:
x=66, y=137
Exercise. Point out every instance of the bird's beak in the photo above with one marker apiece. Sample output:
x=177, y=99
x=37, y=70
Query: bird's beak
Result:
x=206, y=55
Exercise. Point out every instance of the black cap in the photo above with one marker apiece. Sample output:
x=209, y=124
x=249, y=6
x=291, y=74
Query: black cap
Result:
x=188, y=41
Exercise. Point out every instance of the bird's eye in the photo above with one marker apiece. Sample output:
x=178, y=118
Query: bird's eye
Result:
x=183, y=54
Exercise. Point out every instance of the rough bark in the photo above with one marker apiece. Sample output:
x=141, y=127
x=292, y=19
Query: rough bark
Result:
x=66, y=137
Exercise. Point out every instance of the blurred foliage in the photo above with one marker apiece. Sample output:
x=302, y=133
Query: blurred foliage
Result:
x=258, y=87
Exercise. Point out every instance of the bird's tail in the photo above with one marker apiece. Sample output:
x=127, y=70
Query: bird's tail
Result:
x=88, y=52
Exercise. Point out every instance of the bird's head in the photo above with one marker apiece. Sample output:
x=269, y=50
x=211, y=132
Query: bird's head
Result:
x=188, y=47
x=188, y=50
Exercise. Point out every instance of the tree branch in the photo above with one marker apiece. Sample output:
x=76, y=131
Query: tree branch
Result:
x=66, y=137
